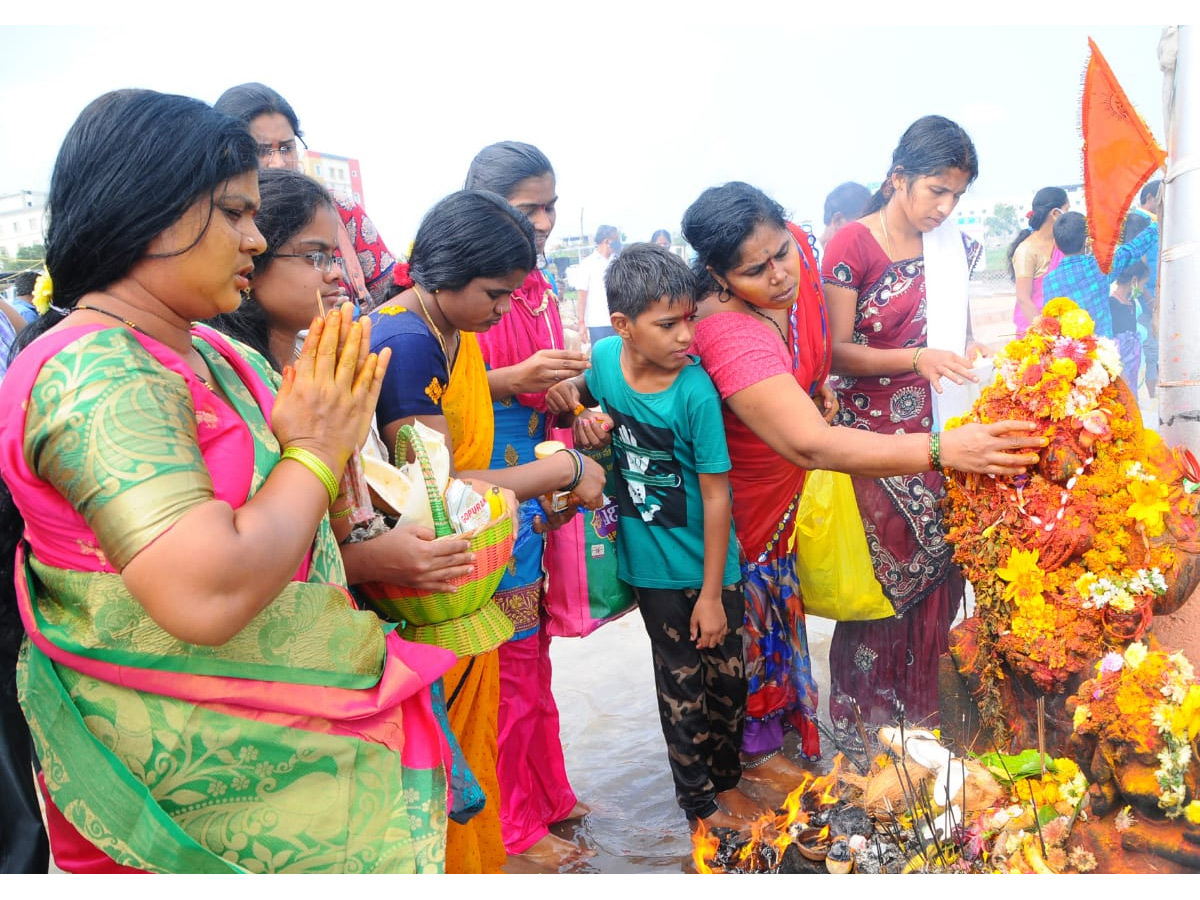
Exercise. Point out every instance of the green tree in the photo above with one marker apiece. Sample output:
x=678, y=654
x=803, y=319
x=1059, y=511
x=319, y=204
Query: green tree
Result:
x=1002, y=224
x=35, y=252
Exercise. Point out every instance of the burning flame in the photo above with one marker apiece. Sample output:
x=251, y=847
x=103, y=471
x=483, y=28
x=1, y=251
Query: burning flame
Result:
x=771, y=834
x=705, y=845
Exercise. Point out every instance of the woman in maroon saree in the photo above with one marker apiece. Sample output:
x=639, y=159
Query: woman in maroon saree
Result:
x=882, y=321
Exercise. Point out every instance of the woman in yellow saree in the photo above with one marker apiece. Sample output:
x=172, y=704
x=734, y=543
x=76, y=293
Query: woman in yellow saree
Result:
x=202, y=693
x=471, y=252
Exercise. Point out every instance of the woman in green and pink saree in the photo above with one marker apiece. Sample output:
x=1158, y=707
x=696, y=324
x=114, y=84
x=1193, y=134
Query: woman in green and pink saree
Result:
x=202, y=693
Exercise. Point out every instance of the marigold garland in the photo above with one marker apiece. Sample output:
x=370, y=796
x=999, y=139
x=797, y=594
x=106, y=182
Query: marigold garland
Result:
x=1066, y=559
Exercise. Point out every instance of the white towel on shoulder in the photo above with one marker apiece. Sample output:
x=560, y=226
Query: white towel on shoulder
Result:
x=946, y=310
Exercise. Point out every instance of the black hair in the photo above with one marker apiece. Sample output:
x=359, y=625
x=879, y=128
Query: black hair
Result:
x=130, y=166
x=849, y=198
x=469, y=235
x=720, y=219
x=1150, y=190
x=662, y=232
x=500, y=167
x=1045, y=202
x=1135, y=224
x=288, y=201
x=1070, y=233
x=1138, y=270
x=25, y=281
x=251, y=100
x=644, y=274
x=929, y=146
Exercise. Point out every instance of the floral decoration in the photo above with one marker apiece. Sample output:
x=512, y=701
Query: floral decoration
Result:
x=1068, y=558
x=1149, y=701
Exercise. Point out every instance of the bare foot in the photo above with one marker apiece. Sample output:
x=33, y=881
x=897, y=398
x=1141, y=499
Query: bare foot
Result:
x=741, y=806
x=578, y=811
x=779, y=772
x=552, y=852
x=719, y=819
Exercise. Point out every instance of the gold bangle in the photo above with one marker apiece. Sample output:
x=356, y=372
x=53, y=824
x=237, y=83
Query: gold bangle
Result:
x=317, y=466
x=916, y=358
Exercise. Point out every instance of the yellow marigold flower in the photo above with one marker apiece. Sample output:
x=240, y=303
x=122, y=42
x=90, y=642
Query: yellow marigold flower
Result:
x=1135, y=654
x=1082, y=714
x=1084, y=583
x=1064, y=768
x=43, y=292
x=1192, y=812
x=1149, y=504
x=1186, y=719
x=1075, y=323
x=1064, y=368
x=1024, y=576
x=1058, y=306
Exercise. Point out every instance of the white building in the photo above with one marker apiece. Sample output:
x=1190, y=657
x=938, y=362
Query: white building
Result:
x=22, y=218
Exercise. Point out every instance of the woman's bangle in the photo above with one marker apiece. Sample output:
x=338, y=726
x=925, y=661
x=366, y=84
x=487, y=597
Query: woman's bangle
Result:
x=317, y=466
x=916, y=359
x=576, y=469
x=341, y=513
x=935, y=450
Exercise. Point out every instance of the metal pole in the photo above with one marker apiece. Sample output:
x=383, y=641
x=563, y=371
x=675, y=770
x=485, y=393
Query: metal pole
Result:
x=1179, y=283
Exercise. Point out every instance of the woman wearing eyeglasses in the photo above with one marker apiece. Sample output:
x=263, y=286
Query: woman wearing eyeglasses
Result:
x=301, y=262
x=274, y=125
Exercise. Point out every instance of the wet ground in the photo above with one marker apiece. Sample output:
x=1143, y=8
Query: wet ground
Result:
x=615, y=753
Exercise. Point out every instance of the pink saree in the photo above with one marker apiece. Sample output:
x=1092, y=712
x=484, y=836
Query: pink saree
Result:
x=307, y=743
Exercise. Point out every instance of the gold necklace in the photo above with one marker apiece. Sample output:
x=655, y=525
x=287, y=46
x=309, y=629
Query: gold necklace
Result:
x=886, y=236
x=437, y=332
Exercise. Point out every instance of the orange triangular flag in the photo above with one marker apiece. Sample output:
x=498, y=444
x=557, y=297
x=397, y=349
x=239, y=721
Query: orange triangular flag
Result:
x=1119, y=155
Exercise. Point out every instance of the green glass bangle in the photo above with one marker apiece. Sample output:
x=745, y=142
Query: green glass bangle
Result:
x=935, y=450
x=341, y=513
x=317, y=466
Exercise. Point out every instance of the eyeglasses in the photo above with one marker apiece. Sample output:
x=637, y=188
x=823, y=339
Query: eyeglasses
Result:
x=323, y=262
x=287, y=150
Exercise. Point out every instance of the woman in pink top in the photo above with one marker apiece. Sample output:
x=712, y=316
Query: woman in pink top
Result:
x=1033, y=254
x=762, y=339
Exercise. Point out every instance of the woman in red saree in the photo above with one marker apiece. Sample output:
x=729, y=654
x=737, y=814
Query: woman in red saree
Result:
x=761, y=338
x=203, y=695
x=893, y=280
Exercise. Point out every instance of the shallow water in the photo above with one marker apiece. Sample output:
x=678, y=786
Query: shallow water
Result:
x=615, y=753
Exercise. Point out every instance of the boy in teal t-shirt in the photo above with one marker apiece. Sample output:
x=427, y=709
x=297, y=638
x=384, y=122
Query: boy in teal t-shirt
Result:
x=675, y=541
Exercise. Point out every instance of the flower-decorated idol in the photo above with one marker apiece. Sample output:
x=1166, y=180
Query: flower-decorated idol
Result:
x=1071, y=560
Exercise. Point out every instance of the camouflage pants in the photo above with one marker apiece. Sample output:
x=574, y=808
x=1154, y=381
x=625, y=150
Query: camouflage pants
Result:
x=701, y=695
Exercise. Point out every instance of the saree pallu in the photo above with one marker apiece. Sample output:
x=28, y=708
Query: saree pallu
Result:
x=306, y=743
x=473, y=685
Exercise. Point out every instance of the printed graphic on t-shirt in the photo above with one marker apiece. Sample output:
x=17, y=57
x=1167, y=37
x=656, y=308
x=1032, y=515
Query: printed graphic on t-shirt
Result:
x=645, y=458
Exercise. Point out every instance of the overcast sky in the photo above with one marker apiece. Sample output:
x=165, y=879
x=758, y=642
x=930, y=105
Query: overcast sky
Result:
x=639, y=106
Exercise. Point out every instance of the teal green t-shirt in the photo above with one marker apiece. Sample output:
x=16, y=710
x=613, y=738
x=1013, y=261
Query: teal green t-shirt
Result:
x=661, y=442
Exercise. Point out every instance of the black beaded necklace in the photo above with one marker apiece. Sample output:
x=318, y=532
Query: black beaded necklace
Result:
x=133, y=326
